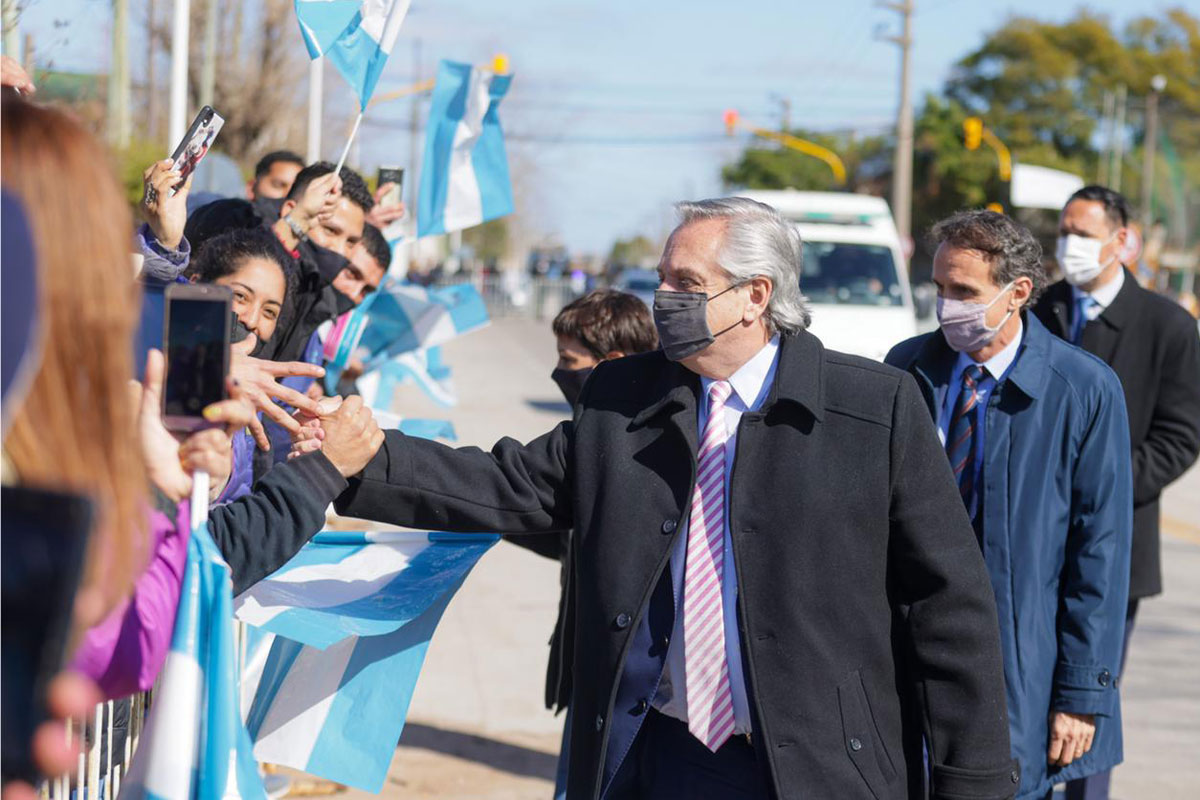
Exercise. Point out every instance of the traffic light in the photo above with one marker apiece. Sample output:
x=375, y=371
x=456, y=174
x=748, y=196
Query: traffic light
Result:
x=973, y=132
x=731, y=121
x=500, y=64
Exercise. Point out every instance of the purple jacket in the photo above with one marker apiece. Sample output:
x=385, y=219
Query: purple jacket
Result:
x=124, y=653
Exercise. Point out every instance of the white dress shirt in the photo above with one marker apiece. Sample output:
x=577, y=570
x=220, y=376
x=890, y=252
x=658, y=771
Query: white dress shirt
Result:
x=751, y=385
x=1103, y=295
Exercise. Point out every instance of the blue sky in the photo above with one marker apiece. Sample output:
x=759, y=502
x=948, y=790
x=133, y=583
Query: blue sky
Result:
x=615, y=109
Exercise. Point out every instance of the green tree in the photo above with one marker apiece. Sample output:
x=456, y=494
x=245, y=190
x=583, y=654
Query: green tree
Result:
x=632, y=252
x=765, y=165
x=489, y=240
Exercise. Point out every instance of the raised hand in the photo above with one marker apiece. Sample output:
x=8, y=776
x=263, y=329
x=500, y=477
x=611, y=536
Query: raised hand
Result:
x=166, y=214
x=380, y=215
x=259, y=380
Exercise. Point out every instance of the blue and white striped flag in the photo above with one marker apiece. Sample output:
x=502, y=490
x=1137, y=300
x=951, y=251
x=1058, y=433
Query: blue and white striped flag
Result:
x=356, y=35
x=340, y=634
x=195, y=745
x=464, y=178
x=403, y=318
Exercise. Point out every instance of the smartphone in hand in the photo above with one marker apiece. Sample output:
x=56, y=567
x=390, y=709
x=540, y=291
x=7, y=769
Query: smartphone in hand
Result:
x=196, y=332
x=196, y=143
x=394, y=176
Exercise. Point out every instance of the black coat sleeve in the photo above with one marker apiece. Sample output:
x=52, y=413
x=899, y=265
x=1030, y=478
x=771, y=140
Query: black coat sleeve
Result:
x=514, y=488
x=259, y=532
x=1173, y=441
x=942, y=586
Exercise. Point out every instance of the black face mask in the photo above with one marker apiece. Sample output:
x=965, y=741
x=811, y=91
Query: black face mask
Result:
x=570, y=382
x=682, y=322
x=238, y=332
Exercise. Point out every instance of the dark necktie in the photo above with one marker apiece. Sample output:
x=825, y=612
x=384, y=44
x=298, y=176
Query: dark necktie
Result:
x=1083, y=304
x=961, y=437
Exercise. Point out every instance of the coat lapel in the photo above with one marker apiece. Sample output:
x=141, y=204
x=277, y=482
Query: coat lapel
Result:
x=932, y=367
x=1058, y=321
x=1103, y=334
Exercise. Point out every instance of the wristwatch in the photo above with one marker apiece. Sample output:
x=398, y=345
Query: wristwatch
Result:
x=300, y=233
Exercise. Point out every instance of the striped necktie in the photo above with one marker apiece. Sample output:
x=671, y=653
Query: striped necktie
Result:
x=961, y=438
x=709, y=696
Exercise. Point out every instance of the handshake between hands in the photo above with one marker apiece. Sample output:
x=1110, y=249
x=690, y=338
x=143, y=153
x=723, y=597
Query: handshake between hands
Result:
x=345, y=430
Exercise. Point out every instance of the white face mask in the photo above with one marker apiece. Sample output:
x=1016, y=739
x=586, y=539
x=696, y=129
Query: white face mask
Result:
x=1079, y=256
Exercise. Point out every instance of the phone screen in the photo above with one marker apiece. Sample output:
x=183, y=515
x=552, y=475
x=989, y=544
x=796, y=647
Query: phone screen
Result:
x=197, y=346
x=43, y=539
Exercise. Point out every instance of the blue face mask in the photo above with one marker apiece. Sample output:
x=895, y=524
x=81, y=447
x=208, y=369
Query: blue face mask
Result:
x=682, y=322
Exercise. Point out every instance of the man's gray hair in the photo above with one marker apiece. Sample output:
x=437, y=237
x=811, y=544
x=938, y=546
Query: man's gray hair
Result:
x=758, y=243
x=1007, y=246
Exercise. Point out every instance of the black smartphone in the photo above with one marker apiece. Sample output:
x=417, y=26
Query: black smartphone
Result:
x=43, y=541
x=394, y=176
x=196, y=143
x=196, y=330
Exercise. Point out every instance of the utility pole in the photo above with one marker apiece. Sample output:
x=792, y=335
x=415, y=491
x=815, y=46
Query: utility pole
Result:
x=12, y=33
x=316, y=96
x=151, y=84
x=414, y=162
x=119, y=124
x=177, y=112
x=208, y=74
x=1106, y=150
x=1157, y=84
x=902, y=166
x=1118, y=145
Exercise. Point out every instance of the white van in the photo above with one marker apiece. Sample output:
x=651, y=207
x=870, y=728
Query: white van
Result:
x=855, y=274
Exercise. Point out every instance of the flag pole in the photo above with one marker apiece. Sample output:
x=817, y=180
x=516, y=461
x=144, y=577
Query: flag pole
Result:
x=346, y=149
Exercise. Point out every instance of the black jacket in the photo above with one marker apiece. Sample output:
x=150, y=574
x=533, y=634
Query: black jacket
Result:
x=1153, y=346
x=259, y=532
x=865, y=612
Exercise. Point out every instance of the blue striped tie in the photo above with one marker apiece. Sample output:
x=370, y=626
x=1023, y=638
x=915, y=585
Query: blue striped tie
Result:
x=961, y=438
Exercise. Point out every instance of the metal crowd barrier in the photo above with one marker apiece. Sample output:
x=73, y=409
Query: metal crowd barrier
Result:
x=98, y=773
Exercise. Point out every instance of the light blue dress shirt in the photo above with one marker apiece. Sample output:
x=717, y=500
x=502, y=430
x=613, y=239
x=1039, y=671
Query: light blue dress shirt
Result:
x=751, y=385
x=994, y=370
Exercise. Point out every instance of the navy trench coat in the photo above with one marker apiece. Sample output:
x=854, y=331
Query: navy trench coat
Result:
x=1056, y=537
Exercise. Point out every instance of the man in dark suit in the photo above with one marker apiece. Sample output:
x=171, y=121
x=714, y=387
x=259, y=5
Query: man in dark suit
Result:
x=778, y=591
x=1153, y=346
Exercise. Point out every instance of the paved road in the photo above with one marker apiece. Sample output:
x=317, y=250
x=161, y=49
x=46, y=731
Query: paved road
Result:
x=477, y=727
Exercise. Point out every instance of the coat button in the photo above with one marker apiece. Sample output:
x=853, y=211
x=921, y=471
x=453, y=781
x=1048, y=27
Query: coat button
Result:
x=1014, y=776
x=669, y=526
x=855, y=745
x=641, y=707
x=1105, y=676
x=622, y=621
x=599, y=722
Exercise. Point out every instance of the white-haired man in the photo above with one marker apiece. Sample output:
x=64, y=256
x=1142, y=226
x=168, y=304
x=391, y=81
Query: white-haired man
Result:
x=779, y=591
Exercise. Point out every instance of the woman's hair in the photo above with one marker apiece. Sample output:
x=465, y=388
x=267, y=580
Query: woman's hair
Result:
x=76, y=428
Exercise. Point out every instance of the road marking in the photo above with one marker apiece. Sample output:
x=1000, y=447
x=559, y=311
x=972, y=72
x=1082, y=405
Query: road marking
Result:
x=1181, y=530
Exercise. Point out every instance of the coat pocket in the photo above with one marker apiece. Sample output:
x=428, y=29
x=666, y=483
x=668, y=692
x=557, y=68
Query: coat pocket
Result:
x=861, y=738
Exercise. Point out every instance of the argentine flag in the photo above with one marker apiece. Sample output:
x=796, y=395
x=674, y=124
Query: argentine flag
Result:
x=464, y=178
x=195, y=745
x=337, y=640
x=401, y=318
x=356, y=35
